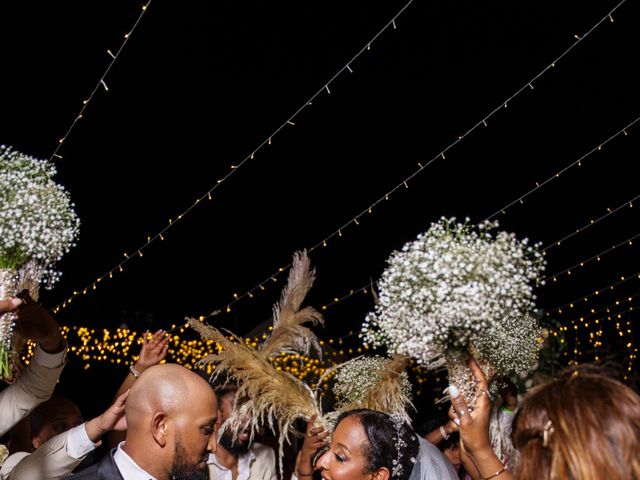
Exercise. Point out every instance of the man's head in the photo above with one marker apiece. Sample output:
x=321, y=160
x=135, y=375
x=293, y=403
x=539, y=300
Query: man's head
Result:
x=171, y=423
x=52, y=417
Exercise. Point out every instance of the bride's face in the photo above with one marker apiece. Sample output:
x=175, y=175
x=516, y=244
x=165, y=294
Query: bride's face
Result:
x=345, y=458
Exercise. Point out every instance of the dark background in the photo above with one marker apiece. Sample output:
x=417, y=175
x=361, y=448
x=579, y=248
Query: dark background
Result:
x=200, y=85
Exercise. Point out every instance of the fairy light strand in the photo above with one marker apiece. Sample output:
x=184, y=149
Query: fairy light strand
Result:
x=234, y=168
x=628, y=203
x=585, y=298
x=597, y=256
x=556, y=175
x=101, y=83
x=404, y=183
x=607, y=309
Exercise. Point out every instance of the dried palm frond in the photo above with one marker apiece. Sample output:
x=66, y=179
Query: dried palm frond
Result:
x=289, y=335
x=265, y=394
x=389, y=393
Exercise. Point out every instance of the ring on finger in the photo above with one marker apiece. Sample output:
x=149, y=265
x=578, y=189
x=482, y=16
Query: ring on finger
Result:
x=462, y=413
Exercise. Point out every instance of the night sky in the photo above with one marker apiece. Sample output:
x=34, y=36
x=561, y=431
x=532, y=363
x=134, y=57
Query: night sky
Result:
x=201, y=85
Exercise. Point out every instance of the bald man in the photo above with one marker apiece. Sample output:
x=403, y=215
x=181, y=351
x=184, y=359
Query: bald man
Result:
x=171, y=428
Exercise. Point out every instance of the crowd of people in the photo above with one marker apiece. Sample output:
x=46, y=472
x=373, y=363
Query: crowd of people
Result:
x=167, y=422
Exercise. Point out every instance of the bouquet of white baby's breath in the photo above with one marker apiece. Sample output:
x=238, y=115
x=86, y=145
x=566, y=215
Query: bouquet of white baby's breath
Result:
x=356, y=377
x=375, y=383
x=460, y=289
x=37, y=227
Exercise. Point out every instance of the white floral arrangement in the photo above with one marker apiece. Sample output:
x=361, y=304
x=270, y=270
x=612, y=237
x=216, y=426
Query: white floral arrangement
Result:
x=38, y=225
x=460, y=289
x=355, y=379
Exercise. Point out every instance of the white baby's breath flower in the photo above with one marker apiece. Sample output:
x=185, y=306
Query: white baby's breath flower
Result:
x=37, y=219
x=456, y=287
x=356, y=377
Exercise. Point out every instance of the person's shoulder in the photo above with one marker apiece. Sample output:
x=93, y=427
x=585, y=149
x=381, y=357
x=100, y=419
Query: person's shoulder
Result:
x=90, y=472
x=105, y=469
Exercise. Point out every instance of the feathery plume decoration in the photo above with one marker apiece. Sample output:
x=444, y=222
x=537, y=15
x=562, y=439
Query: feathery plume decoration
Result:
x=289, y=335
x=264, y=395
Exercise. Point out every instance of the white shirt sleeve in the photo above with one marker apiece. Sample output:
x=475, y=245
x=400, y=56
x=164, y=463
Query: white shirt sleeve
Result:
x=78, y=442
x=33, y=387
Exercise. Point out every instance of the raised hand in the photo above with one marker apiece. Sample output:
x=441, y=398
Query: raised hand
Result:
x=153, y=350
x=36, y=323
x=473, y=424
x=112, y=419
x=314, y=441
x=474, y=427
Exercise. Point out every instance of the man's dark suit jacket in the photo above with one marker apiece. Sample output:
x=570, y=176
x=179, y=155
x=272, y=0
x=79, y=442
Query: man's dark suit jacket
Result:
x=105, y=469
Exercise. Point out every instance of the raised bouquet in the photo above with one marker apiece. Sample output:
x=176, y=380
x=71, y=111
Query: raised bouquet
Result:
x=38, y=225
x=460, y=290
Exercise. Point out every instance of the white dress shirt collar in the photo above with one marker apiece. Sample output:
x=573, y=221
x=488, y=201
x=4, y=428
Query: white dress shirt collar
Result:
x=128, y=468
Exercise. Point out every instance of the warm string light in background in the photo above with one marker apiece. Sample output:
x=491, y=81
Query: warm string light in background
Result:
x=584, y=299
x=366, y=289
x=121, y=346
x=557, y=243
x=608, y=309
x=596, y=338
x=137, y=253
x=101, y=83
x=577, y=163
x=568, y=271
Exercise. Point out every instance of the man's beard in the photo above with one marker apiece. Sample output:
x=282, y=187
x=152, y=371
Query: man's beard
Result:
x=182, y=469
x=237, y=448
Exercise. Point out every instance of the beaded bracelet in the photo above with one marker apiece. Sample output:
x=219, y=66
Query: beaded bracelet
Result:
x=134, y=372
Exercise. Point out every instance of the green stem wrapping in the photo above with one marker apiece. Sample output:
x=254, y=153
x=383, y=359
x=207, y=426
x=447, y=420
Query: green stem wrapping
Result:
x=4, y=363
x=8, y=287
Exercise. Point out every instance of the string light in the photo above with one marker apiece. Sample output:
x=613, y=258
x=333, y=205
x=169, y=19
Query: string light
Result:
x=121, y=346
x=421, y=166
x=289, y=121
x=101, y=82
x=597, y=257
x=585, y=298
x=578, y=163
x=609, y=308
x=595, y=336
x=365, y=289
x=591, y=223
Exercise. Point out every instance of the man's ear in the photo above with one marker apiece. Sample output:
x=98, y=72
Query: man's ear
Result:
x=35, y=441
x=159, y=428
x=381, y=474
